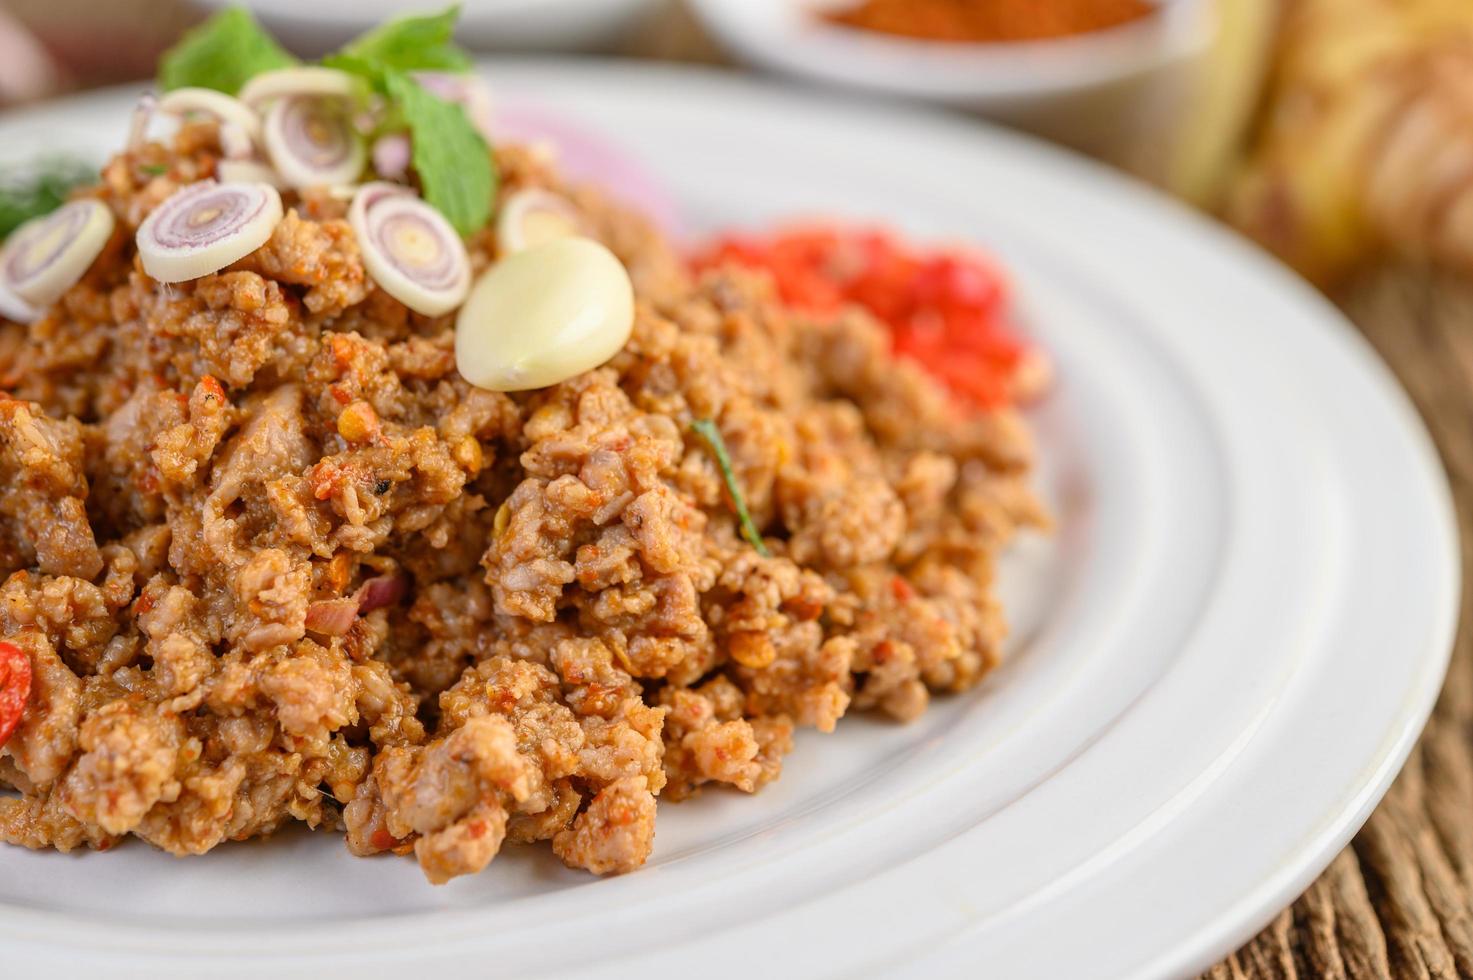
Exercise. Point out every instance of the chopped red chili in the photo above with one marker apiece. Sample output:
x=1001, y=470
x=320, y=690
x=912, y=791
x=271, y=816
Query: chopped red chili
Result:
x=947, y=309
x=15, y=687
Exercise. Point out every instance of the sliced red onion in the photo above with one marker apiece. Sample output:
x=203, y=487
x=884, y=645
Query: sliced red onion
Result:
x=248, y=171
x=204, y=227
x=310, y=80
x=410, y=250
x=391, y=154
x=46, y=256
x=240, y=127
x=15, y=309
x=533, y=216
x=381, y=591
x=332, y=617
x=142, y=116
x=312, y=141
x=470, y=92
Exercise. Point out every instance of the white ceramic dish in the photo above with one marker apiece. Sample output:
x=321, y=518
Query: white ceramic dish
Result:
x=1096, y=91
x=1220, y=663
x=503, y=25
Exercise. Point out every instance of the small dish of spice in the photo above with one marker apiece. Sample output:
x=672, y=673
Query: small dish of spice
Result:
x=1096, y=74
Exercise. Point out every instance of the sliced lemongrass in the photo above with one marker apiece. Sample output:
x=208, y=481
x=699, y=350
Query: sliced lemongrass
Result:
x=15, y=309
x=364, y=196
x=312, y=141
x=309, y=80
x=248, y=171
x=46, y=256
x=532, y=217
x=204, y=227
x=236, y=143
x=410, y=250
x=148, y=103
x=230, y=112
x=391, y=154
x=544, y=315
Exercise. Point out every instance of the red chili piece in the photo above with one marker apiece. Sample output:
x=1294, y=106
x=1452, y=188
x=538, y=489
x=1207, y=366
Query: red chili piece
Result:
x=15, y=687
x=949, y=309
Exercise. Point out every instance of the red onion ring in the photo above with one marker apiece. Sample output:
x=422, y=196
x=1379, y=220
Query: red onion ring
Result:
x=391, y=156
x=46, y=256
x=204, y=227
x=312, y=141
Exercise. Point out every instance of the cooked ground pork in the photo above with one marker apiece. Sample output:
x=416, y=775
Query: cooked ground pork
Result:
x=202, y=485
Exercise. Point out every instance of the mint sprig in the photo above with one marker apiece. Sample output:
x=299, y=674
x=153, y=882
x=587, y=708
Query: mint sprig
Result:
x=223, y=53
x=455, y=168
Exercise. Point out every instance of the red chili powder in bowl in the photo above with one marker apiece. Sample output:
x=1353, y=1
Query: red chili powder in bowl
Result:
x=989, y=20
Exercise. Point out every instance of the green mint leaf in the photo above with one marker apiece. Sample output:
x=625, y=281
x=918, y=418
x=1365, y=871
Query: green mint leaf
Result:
x=707, y=430
x=414, y=43
x=223, y=53
x=455, y=168
x=40, y=188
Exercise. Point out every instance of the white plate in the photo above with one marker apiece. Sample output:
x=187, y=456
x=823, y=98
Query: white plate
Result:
x=1221, y=661
x=315, y=26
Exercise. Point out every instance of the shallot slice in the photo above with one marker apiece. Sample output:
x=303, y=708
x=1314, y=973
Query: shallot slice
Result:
x=310, y=80
x=240, y=128
x=142, y=116
x=204, y=227
x=312, y=141
x=331, y=617
x=380, y=591
x=532, y=217
x=47, y=255
x=391, y=155
x=410, y=250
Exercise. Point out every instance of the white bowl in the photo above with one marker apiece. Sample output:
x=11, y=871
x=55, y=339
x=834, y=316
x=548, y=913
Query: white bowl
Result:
x=1087, y=90
x=504, y=25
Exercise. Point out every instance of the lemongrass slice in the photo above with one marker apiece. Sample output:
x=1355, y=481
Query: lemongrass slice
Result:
x=230, y=112
x=15, y=309
x=46, y=256
x=532, y=217
x=310, y=80
x=204, y=227
x=247, y=171
x=312, y=141
x=365, y=196
x=410, y=250
x=544, y=315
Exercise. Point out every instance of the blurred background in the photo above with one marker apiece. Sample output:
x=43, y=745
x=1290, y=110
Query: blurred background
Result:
x=1333, y=131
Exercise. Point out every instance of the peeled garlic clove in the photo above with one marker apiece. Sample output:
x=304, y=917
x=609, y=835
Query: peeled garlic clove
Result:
x=409, y=249
x=312, y=141
x=533, y=217
x=46, y=256
x=204, y=227
x=544, y=315
x=230, y=112
x=309, y=80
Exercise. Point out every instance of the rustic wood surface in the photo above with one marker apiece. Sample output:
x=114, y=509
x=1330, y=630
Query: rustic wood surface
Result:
x=1396, y=903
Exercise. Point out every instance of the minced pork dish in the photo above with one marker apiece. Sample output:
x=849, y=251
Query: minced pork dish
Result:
x=268, y=556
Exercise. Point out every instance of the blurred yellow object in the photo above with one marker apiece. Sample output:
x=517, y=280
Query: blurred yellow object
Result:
x=1367, y=145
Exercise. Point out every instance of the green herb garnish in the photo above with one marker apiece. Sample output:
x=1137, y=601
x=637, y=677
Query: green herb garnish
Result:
x=39, y=188
x=707, y=430
x=415, y=43
x=223, y=53
x=456, y=171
